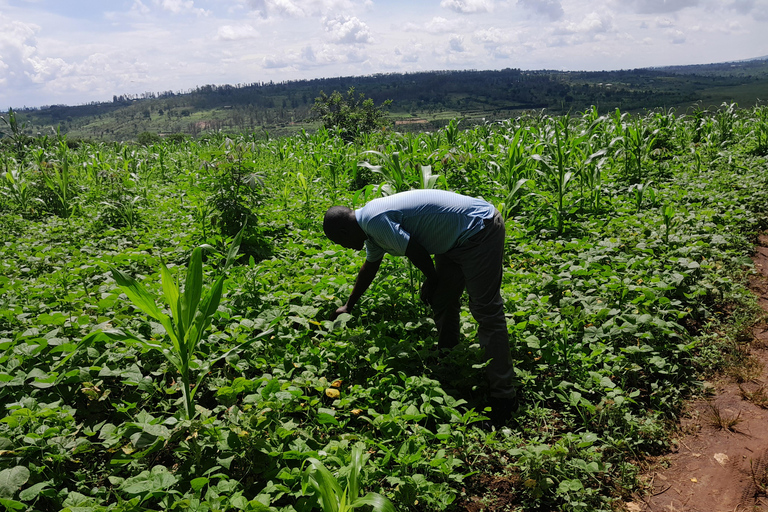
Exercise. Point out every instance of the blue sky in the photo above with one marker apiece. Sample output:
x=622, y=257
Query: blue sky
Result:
x=74, y=52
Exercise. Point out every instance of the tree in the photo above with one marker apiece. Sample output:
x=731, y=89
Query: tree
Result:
x=350, y=114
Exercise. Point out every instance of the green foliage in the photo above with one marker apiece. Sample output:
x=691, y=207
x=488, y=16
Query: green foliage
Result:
x=19, y=192
x=15, y=131
x=349, y=115
x=332, y=497
x=148, y=138
x=140, y=369
x=191, y=314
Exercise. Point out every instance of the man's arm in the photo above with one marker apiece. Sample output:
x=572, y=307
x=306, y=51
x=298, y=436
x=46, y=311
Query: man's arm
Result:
x=423, y=261
x=364, y=279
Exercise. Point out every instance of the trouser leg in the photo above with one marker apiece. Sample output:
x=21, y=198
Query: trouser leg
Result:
x=446, y=301
x=481, y=262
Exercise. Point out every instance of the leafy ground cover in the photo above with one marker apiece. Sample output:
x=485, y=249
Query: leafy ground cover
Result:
x=627, y=256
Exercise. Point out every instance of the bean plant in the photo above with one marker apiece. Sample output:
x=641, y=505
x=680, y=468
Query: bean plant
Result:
x=145, y=366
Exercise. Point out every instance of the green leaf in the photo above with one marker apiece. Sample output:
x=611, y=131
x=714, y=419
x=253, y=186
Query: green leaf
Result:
x=355, y=467
x=170, y=291
x=144, y=300
x=11, y=504
x=234, y=248
x=324, y=483
x=375, y=500
x=12, y=479
x=199, y=483
x=33, y=492
x=569, y=485
x=271, y=387
x=157, y=479
x=208, y=307
x=193, y=288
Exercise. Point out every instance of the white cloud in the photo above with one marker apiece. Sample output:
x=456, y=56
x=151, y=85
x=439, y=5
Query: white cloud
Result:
x=592, y=24
x=78, y=55
x=440, y=25
x=409, y=55
x=277, y=7
x=662, y=6
x=139, y=8
x=456, y=44
x=180, y=6
x=275, y=62
x=552, y=9
x=753, y=8
x=347, y=30
x=301, y=8
x=18, y=51
x=436, y=25
x=676, y=36
x=468, y=6
x=236, y=32
x=497, y=42
x=491, y=36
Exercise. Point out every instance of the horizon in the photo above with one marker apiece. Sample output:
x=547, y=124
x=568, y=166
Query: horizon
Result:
x=84, y=52
x=191, y=89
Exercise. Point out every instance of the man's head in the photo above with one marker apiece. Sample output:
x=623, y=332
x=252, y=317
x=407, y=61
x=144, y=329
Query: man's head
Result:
x=340, y=226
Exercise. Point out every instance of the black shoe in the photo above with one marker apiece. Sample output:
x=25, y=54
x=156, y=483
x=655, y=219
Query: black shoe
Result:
x=501, y=410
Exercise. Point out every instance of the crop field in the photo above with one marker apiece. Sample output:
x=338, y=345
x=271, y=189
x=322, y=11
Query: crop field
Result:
x=165, y=341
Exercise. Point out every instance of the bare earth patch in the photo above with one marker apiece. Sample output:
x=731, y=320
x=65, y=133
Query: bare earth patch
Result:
x=721, y=464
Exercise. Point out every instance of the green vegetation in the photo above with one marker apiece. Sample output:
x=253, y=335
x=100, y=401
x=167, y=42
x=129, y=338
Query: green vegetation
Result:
x=350, y=115
x=164, y=315
x=420, y=101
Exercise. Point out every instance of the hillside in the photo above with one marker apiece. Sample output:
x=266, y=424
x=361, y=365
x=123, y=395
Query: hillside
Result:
x=430, y=97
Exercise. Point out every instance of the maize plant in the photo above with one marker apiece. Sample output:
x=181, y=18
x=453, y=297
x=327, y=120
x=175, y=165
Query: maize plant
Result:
x=329, y=493
x=556, y=168
x=192, y=311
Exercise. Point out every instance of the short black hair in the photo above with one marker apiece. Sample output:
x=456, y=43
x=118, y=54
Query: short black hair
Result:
x=336, y=222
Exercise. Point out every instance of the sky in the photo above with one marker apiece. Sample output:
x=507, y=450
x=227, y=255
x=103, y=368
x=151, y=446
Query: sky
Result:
x=80, y=51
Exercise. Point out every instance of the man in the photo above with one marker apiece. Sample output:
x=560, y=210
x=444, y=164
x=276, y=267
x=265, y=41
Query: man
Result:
x=466, y=235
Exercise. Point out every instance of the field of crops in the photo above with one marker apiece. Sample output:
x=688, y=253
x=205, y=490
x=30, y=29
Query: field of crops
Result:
x=147, y=365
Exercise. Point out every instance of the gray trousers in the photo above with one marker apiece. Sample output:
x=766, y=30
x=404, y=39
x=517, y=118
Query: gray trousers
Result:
x=477, y=265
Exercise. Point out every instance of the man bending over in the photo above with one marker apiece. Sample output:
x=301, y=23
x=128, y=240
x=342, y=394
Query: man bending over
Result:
x=466, y=235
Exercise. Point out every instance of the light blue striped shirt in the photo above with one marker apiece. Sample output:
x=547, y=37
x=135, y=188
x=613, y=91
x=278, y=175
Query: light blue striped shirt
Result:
x=437, y=219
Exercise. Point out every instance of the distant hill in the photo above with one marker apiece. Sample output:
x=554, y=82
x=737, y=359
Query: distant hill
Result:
x=431, y=98
x=750, y=67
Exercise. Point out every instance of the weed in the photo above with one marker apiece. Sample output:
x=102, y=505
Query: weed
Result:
x=746, y=369
x=721, y=420
x=759, y=397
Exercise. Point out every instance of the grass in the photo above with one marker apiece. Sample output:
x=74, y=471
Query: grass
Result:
x=759, y=397
x=745, y=369
x=721, y=420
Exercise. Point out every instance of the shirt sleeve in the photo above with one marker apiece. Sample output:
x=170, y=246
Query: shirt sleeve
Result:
x=373, y=252
x=387, y=233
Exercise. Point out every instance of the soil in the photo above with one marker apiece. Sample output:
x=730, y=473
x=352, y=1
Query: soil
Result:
x=721, y=459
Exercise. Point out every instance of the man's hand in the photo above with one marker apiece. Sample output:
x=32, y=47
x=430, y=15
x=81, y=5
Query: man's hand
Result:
x=364, y=278
x=428, y=290
x=343, y=309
